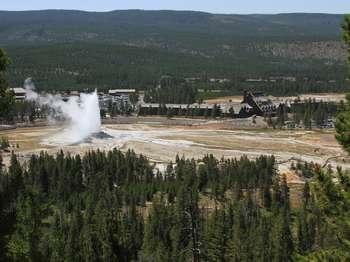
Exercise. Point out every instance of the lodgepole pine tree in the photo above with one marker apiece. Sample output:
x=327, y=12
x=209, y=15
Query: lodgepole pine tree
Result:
x=6, y=97
x=343, y=120
x=216, y=237
x=157, y=239
x=24, y=242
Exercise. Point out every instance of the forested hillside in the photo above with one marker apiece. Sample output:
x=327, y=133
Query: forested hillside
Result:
x=164, y=26
x=73, y=49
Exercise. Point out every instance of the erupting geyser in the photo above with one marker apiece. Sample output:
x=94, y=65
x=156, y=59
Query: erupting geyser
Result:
x=81, y=114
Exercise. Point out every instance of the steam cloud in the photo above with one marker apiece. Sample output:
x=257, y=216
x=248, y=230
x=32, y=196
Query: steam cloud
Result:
x=82, y=114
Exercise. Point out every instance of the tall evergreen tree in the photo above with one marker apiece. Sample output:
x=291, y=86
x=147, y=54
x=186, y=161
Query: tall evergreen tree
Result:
x=217, y=235
x=157, y=242
x=343, y=120
x=6, y=97
x=24, y=242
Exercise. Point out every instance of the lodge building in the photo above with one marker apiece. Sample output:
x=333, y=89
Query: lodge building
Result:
x=253, y=104
x=20, y=93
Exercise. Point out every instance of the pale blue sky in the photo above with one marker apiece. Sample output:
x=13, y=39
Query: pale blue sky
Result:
x=215, y=6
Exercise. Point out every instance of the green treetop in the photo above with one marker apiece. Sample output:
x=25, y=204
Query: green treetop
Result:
x=6, y=97
x=346, y=34
x=343, y=120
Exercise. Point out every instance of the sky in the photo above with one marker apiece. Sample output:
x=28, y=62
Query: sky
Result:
x=213, y=6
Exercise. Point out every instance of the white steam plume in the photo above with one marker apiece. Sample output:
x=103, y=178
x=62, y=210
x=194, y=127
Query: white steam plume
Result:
x=82, y=113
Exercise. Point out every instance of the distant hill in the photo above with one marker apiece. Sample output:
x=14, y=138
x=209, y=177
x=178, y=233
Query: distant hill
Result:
x=219, y=45
x=129, y=25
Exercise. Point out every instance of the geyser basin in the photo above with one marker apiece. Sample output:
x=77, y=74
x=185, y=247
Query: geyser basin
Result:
x=89, y=140
x=62, y=138
x=101, y=135
x=110, y=138
x=162, y=144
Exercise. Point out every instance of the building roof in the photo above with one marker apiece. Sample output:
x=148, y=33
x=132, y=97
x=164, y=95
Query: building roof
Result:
x=74, y=93
x=18, y=90
x=121, y=91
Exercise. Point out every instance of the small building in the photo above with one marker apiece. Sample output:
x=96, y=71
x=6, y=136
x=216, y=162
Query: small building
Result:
x=20, y=93
x=120, y=92
x=74, y=93
x=104, y=101
x=121, y=95
x=255, y=80
x=219, y=80
x=68, y=94
x=237, y=110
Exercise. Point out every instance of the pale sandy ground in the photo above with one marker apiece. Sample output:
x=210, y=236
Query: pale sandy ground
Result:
x=163, y=143
x=224, y=99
